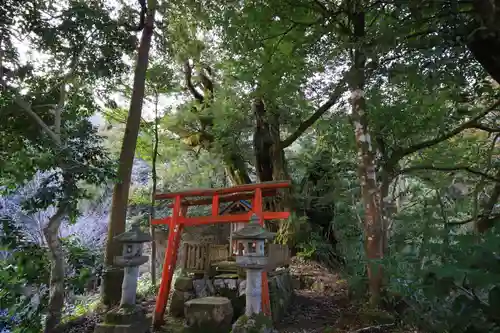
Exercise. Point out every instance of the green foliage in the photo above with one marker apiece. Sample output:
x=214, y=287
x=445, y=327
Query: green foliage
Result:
x=25, y=272
x=421, y=91
x=83, y=264
x=24, y=269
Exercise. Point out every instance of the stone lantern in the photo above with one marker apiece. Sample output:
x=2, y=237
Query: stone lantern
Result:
x=131, y=259
x=128, y=318
x=250, y=242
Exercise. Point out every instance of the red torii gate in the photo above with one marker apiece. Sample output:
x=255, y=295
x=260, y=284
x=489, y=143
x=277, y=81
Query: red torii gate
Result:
x=253, y=192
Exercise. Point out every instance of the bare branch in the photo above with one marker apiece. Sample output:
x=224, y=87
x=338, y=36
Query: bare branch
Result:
x=27, y=108
x=55, y=134
x=449, y=169
x=374, y=329
x=188, y=73
x=486, y=128
x=334, y=97
x=398, y=154
x=281, y=34
x=491, y=217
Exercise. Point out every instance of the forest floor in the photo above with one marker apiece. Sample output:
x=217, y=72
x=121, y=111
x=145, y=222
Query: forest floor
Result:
x=321, y=305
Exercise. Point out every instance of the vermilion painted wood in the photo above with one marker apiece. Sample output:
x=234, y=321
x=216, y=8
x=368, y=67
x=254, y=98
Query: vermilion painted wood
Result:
x=266, y=300
x=200, y=220
x=225, y=198
x=226, y=190
x=215, y=205
x=257, y=208
x=168, y=266
x=179, y=219
x=257, y=205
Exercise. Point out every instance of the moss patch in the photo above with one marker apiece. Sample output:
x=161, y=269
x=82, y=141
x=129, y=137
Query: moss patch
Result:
x=255, y=324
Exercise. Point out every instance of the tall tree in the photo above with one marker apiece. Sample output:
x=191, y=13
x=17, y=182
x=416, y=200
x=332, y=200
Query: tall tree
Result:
x=373, y=226
x=111, y=287
x=44, y=117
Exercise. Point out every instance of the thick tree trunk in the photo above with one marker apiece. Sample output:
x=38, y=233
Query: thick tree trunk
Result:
x=484, y=39
x=112, y=278
x=270, y=162
x=262, y=142
x=373, y=225
x=56, y=294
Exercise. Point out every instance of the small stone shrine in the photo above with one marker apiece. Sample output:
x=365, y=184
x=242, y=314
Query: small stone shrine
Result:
x=128, y=317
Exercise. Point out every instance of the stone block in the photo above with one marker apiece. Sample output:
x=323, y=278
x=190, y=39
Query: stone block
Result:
x=226, y=285
x=125, y=320
x=281, y=294
x=208, y=315
x=113, y=328
x=203, y=288
x=184, y=283
x=177, y=301
x=254, y=324
x=125, y=316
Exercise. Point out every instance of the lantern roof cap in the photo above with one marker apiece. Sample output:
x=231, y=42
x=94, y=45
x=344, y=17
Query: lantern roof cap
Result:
x=253, y=230
x=134, y=235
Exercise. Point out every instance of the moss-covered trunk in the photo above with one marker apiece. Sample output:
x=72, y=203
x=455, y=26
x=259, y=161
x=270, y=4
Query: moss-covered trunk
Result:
x=270, y=162
x=236, y=168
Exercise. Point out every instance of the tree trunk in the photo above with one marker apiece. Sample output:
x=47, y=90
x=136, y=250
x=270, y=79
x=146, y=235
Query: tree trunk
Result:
x=486, y=220
x=262, y=142
x=152, y=266
x=484, y=39
x=56, y=294
x=236, y=169
x=270, y=163
x=270, y=160
x=112, y=278
x=385, y=203
x=374, y=233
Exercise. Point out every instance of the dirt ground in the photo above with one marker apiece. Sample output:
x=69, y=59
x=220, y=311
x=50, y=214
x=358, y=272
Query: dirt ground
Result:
x=321, y=305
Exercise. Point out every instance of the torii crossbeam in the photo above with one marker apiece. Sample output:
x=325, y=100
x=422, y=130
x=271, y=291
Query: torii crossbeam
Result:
x=213, y=197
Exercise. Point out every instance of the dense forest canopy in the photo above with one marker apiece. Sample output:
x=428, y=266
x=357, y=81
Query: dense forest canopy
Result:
x=383, y=114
